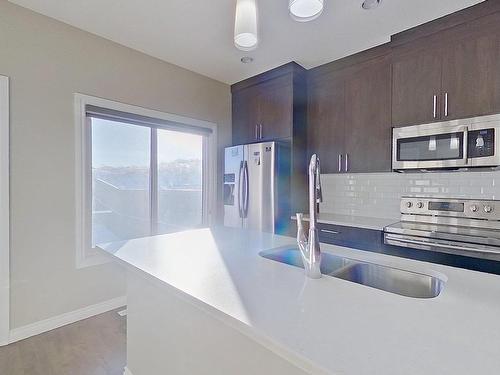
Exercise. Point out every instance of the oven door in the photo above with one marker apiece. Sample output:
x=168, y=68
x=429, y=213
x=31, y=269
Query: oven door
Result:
x=429, y=147
x=471, y=242
x=442, y=246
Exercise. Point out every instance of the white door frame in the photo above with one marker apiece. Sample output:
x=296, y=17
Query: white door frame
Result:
x=4, y=212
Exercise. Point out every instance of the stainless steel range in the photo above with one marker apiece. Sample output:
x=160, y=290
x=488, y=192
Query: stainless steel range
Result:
x=467, y=227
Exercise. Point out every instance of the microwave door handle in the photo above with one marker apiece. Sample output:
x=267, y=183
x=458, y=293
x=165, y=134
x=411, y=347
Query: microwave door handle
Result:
x=434, y=106
x=466, y=145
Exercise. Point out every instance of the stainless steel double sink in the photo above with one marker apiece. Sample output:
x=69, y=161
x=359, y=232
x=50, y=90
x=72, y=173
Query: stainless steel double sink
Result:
x=392, y=280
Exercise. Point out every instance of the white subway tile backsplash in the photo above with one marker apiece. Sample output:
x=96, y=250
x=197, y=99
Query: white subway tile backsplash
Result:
x=379, y=194
x=431, y=190
x=422, y=182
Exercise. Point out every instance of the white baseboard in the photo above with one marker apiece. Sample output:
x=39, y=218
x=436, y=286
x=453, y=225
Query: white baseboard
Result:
x=4, y=315
x=49, y=324
x=126, y=371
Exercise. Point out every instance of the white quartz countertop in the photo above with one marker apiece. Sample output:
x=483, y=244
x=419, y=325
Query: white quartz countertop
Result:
x=327, y=326
x=364, y=222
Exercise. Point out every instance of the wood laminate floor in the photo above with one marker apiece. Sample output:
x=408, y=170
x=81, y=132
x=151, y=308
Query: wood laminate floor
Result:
x=94, y=346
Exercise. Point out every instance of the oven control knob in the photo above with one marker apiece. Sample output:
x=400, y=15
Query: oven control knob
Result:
x=420, y=205
x=488, y=209
x=473, y=208
x=409, y=204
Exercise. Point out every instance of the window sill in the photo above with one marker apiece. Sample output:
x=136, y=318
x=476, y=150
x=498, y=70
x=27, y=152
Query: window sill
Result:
x=91, y=260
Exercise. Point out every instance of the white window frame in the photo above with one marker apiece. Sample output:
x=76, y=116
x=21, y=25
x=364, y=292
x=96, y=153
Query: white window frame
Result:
x=86, y=255
x=4, y=213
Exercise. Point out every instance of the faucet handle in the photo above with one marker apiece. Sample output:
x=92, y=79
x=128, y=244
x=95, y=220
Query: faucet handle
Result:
x=300, y=217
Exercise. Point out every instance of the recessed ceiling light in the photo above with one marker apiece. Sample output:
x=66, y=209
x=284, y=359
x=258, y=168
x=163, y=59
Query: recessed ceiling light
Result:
x=305, y=10
x=246, y=59
x=370, y=4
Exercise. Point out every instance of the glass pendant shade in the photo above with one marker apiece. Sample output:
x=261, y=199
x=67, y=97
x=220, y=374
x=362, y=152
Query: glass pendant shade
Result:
x=305, y=10
x=245, y=25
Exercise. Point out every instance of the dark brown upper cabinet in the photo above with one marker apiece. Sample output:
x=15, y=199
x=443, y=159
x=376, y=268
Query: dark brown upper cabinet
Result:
x=368, y=117
x=275, y=108
x=416, y=86
x=267, y=107
x=349, y=118
x=244, y=116
x=445, y=73
x=326, y=122
x=471, y=70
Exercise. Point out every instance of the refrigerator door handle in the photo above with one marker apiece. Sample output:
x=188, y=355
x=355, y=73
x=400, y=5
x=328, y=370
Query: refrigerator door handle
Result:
x=247, y=187
x=240, y=190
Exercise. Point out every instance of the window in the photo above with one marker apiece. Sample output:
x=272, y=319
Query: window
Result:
x=180, y=181
x=121, y=157
x=142, y=173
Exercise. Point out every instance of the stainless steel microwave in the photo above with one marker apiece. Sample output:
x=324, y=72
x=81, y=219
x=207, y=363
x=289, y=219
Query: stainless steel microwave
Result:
x=456, y=144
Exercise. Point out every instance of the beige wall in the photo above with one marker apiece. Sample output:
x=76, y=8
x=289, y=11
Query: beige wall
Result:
x=47, y=62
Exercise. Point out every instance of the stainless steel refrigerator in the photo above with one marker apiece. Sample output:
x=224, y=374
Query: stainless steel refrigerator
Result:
x=257, y=187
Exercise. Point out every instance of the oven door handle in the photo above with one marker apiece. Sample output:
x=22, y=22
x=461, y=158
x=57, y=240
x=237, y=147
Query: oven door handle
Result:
x=394, y=239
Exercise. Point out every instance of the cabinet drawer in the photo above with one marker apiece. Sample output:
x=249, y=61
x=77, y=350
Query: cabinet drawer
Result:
x=357, y=238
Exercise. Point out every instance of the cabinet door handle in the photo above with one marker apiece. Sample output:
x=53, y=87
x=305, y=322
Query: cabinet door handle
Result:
x=346, y=162
x=256, y=131
x=445, y=104
x=340, y=162
x=434, y=106
x=329, y=231
x=260, y=131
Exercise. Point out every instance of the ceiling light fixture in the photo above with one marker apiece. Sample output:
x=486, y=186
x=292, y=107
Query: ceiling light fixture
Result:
x=305, y=10
x=245, y=25
x=370, y=4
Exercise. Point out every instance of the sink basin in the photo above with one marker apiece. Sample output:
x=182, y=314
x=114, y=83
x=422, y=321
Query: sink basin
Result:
x=392, y=280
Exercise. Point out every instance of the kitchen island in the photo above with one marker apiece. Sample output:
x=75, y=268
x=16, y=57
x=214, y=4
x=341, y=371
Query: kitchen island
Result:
x=205, y=302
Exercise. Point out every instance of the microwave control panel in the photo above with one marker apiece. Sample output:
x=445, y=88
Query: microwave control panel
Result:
x=481, y=143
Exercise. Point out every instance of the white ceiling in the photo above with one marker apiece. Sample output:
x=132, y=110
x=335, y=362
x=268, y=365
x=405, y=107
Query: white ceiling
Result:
x=198, y=34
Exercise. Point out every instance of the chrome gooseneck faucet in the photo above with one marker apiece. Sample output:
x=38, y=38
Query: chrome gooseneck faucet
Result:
x=309, y=247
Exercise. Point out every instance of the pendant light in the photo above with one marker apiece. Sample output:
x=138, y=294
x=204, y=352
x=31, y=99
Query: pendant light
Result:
x=245, y=25
x=305, y=10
